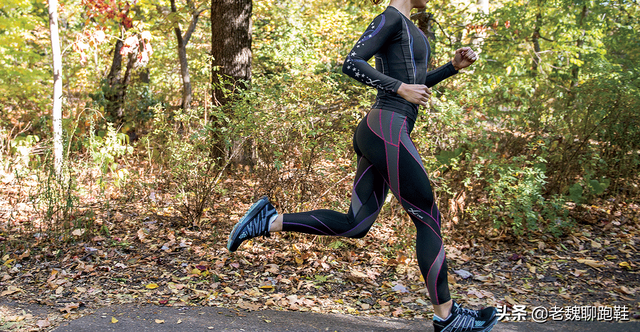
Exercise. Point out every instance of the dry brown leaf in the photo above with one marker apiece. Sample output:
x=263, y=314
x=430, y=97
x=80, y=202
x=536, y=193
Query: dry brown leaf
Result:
x=11, y=290
x=357, y=275
x=579, y=273
x=141, y=235
x=43, y=323
x=625, y=290
x=69, y=307
x=15, y=318
x=590, y=262
x=272, y=268
x=24, y=255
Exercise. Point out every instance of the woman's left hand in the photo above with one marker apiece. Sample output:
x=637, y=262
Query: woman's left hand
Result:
x=463, y=58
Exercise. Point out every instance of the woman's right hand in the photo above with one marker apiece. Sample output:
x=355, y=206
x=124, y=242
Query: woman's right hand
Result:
x=415, y=93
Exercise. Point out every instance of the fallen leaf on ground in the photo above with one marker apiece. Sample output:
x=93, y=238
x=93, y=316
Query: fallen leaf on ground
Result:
x=590, y=262
x=464, y=274
x=43, y=323
x=10, y=290
x=70, y=307
x=400, y=288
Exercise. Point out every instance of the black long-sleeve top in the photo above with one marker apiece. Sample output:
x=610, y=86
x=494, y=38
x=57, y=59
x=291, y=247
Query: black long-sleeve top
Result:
x=401, y=53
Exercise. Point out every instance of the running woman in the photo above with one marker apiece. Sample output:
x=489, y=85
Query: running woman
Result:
x=387, y=159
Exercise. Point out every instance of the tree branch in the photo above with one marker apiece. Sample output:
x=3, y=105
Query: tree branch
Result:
x=444, y=32
x=192, y=26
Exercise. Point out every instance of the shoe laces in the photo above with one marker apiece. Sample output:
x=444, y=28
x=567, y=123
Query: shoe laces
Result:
x=253, y=229
x=467, y=312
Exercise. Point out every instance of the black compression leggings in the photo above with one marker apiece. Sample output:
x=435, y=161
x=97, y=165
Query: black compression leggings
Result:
x=387, y=158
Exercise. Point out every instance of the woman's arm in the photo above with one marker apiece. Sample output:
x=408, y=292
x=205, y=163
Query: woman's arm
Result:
x=463, y=58
x=439, y=74
x=383, y=27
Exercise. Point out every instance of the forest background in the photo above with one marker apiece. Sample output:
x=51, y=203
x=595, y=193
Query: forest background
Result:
x=537, y=142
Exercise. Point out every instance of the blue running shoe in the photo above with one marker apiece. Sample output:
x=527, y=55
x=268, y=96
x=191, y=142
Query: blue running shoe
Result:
x=467, y=320
x=255, y=223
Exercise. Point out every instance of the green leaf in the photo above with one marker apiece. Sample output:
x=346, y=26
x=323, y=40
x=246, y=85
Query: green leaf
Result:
x=445, y=157
x=575, y=193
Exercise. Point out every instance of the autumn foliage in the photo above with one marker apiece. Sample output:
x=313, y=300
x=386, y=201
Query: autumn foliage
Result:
x=532, y=151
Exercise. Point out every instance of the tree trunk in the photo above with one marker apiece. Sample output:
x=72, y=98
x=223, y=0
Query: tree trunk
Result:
x=117, y=85
x=115, y=92
x=184, y=72
x=182, y=52
x=231, y=52
x=230, y=46
x=484, y=6
x=57, y=87
x=535, y=39
x=575, y=72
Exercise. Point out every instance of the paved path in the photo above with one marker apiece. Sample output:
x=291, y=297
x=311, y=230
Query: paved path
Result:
x=143, y=318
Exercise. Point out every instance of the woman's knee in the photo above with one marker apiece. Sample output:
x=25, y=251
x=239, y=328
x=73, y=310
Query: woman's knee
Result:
x=359, y=235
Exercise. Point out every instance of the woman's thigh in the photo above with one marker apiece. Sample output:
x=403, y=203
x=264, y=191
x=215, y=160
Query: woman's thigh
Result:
x=385, y=142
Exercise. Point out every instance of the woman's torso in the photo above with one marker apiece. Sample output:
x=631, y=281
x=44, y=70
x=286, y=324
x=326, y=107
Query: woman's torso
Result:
x=404, y=57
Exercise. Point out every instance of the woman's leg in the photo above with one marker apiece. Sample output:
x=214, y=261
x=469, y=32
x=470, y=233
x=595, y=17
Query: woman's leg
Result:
x=368, y=195
x=387, y=159
x=388, y=146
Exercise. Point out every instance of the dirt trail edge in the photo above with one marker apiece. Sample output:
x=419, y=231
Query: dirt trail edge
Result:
x=160, y=319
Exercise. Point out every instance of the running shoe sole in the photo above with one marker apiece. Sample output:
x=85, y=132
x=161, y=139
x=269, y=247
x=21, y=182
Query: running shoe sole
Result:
x=486, y=329
x=252, y=212
x=494, y=321
x=490, y=327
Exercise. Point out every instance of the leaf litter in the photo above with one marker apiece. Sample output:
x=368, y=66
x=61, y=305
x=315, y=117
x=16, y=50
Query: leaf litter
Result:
x=147, y=259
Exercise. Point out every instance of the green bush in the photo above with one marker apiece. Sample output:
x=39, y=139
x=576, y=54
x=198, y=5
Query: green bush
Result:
x=105, y=148
x=181, y=144
x=515, y=196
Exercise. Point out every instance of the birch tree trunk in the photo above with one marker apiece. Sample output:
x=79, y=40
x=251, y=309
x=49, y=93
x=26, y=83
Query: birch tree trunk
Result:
x=484, y=6
x=57, y=87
